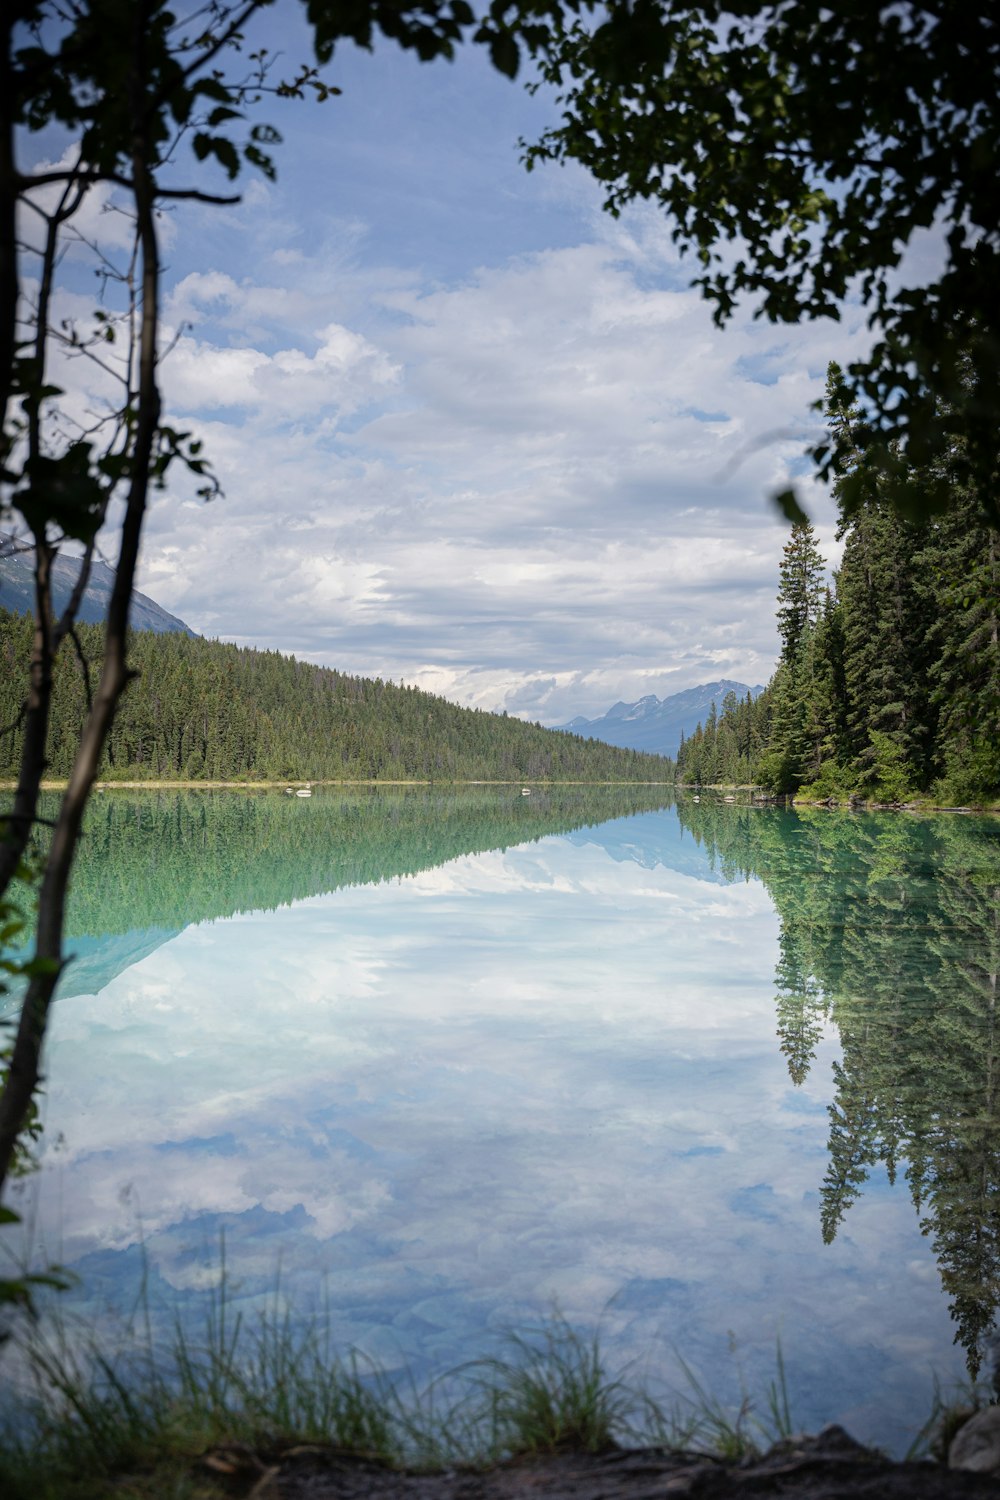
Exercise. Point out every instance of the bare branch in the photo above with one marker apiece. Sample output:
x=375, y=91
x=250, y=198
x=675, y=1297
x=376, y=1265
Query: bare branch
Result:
x=81, y=657
x=67, y=621
x=223, y=40
x=12, y=729
x=195, y=195
x=89, y=176
x=16, y=818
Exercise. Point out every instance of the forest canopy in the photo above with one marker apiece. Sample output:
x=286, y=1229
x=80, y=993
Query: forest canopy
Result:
x=206, y=710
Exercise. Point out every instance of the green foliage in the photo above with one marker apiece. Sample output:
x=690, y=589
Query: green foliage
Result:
x=729, y=752
x=890, y=686
x=821, y=139
x=888, y=778
x=800, y=590
x=146, y=1416
x=552, y=1392
x=204, y=710
x=832, y=780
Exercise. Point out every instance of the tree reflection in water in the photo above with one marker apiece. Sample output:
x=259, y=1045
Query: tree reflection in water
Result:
x=890, y=929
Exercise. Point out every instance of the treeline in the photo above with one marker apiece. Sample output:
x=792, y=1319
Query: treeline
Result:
x=205, y=710
x=890, y=931
x=888, y=684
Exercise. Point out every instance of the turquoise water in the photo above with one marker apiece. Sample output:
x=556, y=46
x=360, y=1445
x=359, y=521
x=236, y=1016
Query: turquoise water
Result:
x=709, y=1076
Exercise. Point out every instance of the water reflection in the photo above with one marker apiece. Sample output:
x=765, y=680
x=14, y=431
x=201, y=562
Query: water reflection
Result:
x=156, y=862
x=890, y=929
x=544, y=1069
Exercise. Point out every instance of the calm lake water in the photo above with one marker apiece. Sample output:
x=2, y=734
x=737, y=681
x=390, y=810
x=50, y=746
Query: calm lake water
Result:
x=706, y=1075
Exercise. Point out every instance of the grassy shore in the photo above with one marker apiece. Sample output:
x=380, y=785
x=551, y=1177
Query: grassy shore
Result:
x=148, y=1421
x=145, y=1421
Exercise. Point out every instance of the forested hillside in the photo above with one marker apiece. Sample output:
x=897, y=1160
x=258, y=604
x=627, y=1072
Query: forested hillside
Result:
x=204, y=710
x=888, y=683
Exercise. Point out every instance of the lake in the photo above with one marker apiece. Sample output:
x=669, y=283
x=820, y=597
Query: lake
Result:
x=707, y=1076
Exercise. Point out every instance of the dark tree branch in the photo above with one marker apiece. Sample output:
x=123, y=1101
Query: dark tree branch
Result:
x=67, y=621
x=24, y=1069
x=90, y=176
x=35, y=719
x=8, y=206
x=195, y=195
x=12, y=729
x=81, y=657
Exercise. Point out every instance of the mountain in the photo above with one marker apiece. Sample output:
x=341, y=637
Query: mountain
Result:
x=208, y=711
x=17, y=592
x=657, y=724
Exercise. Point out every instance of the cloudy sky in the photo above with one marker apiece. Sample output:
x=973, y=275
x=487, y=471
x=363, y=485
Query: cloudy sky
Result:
x=472, y=432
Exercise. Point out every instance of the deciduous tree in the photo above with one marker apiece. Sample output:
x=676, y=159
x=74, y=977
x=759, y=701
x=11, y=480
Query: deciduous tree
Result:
x=798, y=148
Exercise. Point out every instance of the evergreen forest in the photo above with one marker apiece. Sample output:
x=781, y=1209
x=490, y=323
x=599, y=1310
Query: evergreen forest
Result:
x=890, y=934
x=206, y=710
x=888, y=682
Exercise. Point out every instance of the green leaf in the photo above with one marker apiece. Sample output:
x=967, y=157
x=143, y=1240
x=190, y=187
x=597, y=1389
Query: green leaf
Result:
x=788, y=503
x=65, y=491
x=505, y=54
x=259, y=159
x=223, y=113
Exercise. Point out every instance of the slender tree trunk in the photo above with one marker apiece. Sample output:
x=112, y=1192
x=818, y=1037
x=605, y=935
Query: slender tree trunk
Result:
x=24, y=1071
x=16, y=826
x=8, y=208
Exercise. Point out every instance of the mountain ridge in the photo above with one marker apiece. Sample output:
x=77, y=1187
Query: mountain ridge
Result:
x=657, y=725
x=17, y=592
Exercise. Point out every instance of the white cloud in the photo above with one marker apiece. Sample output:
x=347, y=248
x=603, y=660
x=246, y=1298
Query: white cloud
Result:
x=533, y=477
x=550, y=472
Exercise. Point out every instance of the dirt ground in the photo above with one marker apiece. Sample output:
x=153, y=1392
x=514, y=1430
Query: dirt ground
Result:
x=828, y=1467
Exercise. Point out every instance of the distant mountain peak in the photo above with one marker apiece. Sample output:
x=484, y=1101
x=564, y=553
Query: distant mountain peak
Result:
x=17, y=591
x=658, y=724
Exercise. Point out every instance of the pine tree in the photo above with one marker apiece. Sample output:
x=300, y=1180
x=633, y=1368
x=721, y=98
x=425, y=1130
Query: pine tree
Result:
x=884, y=663
x=800, y=590
x=962, y=561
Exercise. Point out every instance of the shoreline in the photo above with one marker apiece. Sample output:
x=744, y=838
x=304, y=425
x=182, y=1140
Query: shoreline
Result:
x=833, y=804
x=919, y=805
x=271, y=786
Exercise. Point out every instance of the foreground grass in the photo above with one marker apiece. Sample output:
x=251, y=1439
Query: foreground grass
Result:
x=179, y=1421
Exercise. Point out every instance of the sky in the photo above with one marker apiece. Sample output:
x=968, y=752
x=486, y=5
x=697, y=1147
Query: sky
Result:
x=473, y=433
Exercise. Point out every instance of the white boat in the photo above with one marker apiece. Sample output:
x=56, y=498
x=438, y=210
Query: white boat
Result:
x=526, y=791
x=304, y=791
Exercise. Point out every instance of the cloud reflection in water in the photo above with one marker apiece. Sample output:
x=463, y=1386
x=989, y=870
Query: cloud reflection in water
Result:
x=542, y=1075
